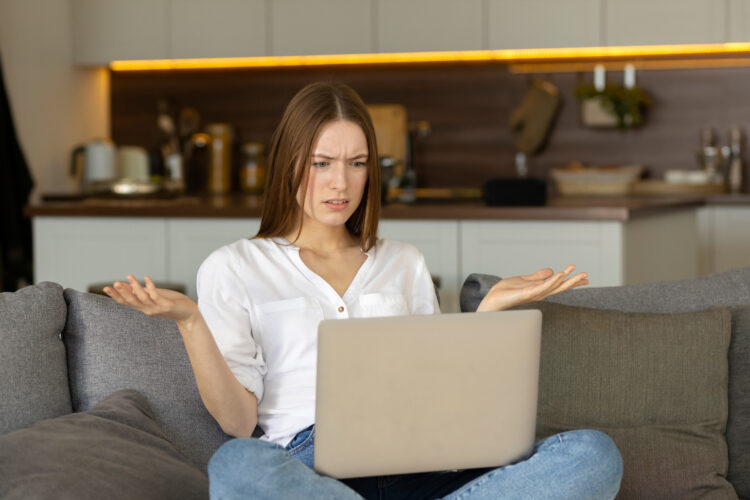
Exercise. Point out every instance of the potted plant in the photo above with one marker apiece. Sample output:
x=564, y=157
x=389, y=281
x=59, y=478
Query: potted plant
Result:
x=613, y=106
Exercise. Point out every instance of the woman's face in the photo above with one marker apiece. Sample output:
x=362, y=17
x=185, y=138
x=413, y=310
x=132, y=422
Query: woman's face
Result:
x=337, y=174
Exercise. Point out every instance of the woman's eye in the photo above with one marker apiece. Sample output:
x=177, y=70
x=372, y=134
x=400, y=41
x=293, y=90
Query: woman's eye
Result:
x=359, y=164
x=320, y=164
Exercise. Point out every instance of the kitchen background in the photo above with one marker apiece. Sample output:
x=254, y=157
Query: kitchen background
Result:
x=56, y=56
x=468, y=107
x=61, y=94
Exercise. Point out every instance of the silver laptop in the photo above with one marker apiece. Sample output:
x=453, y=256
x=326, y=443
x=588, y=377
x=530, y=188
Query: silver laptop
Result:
x=407, y=394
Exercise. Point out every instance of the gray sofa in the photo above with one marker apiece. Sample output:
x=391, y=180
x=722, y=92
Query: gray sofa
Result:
x=99, y=401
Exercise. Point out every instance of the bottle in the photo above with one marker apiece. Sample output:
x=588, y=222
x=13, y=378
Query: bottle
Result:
x=734, y=176
x=196, y=163
x=408, y=185
x=220, y=163
x=253, y=168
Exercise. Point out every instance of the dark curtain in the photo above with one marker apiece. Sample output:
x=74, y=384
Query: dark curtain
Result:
x=15, y=187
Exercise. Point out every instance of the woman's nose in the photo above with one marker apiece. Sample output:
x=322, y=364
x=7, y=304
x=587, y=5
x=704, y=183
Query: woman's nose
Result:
x=338, y=176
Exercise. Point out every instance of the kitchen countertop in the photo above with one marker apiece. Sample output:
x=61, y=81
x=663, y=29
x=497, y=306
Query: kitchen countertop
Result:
x=559, y=208
x=729, y=199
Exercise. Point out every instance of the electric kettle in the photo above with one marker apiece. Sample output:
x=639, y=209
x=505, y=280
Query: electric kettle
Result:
x=93, y=163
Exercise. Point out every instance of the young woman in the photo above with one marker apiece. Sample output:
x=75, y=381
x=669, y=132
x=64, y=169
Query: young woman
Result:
x=251, y=338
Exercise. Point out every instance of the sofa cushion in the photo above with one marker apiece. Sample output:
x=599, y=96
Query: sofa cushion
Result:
x=32, y=357
x=115, y=450
x=738, y=424
x=723, y=289
x=656, y=383
x=112, y=347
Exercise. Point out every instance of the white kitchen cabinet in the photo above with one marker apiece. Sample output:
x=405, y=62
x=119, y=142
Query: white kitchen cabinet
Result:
x=646, y=22
x=429, y=25
x=304, y=27
x=219, y=28
x=190, y=241
x=106, y=30
x=438, y=242
x=739, y=21
x=514, y=24
x=661, y=247
x=653, y=248
x=726, y=232
x=512, y=248
x=77, y=252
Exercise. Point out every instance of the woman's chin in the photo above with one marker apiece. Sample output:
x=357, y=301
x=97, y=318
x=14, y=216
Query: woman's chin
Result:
x=331, y=219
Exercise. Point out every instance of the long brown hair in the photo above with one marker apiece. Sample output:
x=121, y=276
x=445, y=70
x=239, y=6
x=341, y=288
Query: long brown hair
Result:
x=309, y=110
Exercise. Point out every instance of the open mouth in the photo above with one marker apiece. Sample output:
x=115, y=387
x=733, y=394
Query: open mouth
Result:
x=337, y=204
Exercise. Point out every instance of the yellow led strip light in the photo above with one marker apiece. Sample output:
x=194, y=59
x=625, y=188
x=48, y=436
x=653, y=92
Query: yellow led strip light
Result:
x=656, y=54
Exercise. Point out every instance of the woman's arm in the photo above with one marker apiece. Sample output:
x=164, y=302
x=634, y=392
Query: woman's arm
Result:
x=234, y=407
x=519, y=290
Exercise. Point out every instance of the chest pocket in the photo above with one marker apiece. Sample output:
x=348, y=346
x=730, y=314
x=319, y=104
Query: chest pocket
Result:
x=289, y=333
x=383, y=304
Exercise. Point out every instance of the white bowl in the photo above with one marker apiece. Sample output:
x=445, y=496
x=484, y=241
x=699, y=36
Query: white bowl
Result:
x=595, y=181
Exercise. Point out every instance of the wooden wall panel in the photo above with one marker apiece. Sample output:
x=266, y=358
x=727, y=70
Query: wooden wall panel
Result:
x=468, y=106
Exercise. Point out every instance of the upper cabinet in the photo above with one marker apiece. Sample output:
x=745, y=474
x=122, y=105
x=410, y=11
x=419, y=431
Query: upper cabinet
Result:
x=219, y=28
x=649, y=22
x=105, y=30
x=429, y=25
x=532, y=24
x=305, y=27
x=739, y=21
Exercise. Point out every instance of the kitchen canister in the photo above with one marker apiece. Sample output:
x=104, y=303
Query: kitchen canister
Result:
x=220, y=158
x=132, y=163
x=93, y=163
x=253, y=170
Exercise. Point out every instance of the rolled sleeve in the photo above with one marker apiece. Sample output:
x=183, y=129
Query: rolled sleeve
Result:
x=223, y=303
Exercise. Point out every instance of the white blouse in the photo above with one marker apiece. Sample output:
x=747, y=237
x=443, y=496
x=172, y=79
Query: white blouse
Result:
x=263, y=306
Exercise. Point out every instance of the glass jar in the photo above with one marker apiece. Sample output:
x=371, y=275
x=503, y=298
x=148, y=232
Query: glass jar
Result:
x=253, y=169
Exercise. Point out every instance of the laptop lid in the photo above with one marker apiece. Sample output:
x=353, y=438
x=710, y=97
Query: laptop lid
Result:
x=406, y=394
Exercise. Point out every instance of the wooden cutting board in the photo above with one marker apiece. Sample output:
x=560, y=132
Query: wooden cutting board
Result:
x=659, y=187
x=390, y=124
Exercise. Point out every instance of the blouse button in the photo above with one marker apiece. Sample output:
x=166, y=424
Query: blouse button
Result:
x=341, y=309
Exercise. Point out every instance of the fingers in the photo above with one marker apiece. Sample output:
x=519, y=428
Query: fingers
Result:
x=152, y=292
x=560, y=282
x=562, y=286
x=559, y=278
x=139, y=291
x=541, y=274
x=133, y=294
x=577, y=280
x=150, y=287
x=114, y=294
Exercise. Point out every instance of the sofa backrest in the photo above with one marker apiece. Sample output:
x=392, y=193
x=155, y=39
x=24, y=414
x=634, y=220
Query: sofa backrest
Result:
x=727, y=289
x=112, y=347
x=723, y=289
x=33, y=373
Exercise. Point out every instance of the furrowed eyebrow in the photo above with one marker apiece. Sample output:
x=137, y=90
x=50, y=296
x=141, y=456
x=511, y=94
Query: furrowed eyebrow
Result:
x=326, y=157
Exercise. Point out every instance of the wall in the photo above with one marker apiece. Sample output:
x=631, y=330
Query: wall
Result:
x=55, y=106
x=468, y=106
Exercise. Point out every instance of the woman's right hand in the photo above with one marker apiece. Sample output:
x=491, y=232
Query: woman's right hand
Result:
x=153, y=301
x=234, y=407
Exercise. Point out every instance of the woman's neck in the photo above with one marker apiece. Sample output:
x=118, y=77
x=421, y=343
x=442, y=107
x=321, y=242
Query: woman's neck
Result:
x=321, y=239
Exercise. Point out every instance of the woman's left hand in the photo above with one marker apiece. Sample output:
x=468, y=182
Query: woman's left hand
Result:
x=519, y=290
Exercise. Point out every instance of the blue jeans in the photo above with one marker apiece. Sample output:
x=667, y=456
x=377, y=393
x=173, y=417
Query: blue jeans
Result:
x=577, y=465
